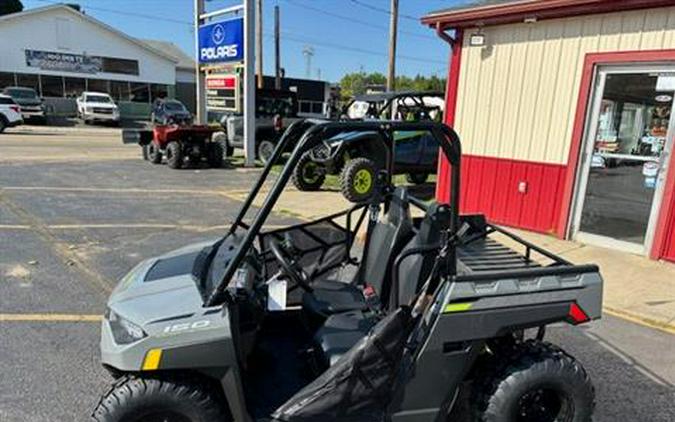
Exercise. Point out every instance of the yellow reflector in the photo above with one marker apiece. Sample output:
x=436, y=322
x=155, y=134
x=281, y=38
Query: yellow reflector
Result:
x=457, y=307
x=152, y=359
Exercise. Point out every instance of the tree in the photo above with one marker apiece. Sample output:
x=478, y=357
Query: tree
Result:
x=356, y=83
x=10, y=6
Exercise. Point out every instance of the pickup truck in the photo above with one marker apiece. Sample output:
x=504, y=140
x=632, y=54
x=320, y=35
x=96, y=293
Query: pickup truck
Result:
x=275, y=110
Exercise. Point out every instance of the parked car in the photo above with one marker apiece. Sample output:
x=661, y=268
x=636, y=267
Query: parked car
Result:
x=275, y=110
x=168, y=111
x=32, y=108
x=10, y=113
x=97, y=107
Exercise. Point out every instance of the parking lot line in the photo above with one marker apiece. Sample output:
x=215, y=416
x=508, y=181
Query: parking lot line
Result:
x=50, y=318
x=126, y=190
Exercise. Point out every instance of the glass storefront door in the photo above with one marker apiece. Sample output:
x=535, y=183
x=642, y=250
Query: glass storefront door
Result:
x=627, y=141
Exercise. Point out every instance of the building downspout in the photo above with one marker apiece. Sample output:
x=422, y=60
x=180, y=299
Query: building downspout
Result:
x=443, y=182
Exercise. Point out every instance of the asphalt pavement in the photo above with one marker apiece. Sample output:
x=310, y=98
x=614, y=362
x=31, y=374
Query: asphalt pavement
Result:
x=77, y=211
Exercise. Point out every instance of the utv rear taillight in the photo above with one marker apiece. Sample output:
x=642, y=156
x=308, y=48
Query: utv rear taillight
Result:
x=576, y=315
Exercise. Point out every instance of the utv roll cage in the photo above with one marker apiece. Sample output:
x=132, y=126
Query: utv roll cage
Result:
x=309, y=134
x=470, y=255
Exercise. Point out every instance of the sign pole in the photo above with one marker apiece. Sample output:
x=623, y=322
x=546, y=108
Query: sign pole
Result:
x=200, y=106
x=249, y=82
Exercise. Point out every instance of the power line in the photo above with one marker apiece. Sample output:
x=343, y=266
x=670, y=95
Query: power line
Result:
x=356, y=21
x=293, y=38
x=123, y=13
x=381, y=10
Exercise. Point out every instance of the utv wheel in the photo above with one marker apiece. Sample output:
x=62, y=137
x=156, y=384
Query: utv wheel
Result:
x=417, y=178
x=265, y=150
x=534, y=381
x=357, y=180
x=215, y=155
x=308, y=174
x=154, y=153
x=174, y=155
x=135, y=399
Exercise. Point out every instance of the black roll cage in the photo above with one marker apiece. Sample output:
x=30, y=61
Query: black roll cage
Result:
x=310, y=133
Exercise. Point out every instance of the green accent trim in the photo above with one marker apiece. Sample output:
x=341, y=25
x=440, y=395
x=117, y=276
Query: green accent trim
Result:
x=457, y=307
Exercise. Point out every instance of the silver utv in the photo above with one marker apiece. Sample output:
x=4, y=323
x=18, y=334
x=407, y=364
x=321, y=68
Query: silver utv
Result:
x=263, y=325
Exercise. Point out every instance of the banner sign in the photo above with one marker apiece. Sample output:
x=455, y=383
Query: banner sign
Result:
x=222, y=93
x=64, y=62
x=221, y=41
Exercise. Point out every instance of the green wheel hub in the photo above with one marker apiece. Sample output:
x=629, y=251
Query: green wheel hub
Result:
x=363, y=181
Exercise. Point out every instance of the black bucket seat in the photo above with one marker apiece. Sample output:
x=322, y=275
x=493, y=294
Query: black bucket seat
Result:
x=343, y=330
x=386, y=239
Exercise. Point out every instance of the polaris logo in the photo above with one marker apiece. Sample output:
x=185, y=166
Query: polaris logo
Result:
x=220, y=52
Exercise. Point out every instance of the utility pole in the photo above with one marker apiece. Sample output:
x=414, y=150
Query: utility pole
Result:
x=199, y=75
x=393, y=29
x=249, y=83
x=259, y=42
x=308, y=52
x=277, y=49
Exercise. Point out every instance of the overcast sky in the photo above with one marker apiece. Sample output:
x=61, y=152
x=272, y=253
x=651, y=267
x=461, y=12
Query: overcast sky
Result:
x=346, y=35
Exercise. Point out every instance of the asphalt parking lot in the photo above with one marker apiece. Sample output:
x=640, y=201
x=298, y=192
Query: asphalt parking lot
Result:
x=79, y=209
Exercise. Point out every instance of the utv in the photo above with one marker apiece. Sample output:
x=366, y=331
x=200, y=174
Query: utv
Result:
x=179, y=144
x=263, y=325
x=357, y=157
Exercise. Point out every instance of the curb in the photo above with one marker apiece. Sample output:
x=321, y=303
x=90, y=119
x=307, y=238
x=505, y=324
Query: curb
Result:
x=64, y=130
x=640, y=320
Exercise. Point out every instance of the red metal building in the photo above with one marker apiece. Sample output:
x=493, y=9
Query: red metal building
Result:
x=564, y=109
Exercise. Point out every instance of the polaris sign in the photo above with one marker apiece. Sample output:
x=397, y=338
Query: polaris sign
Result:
x=222, y=41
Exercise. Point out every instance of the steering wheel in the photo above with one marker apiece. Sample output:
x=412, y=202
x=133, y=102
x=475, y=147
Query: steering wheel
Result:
x=290, y=266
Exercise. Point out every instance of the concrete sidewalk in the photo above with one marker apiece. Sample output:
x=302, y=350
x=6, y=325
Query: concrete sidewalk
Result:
x=636, y=288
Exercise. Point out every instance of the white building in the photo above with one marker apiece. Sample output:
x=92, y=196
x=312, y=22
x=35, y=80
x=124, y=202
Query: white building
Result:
x=61, y=52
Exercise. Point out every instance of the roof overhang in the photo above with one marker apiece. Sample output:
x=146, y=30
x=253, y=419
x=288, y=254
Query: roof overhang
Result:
x=526, y=10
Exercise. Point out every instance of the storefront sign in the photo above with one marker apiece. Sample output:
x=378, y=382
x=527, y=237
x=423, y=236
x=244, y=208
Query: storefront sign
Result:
x=221, y=41
x=665, y=82
x=64, y=62
x=222, y=93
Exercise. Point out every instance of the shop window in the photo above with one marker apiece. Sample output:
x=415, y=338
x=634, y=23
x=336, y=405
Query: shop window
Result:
x=158, y=91
x=75, y=87
x=97, y=85
x=123, y=66
x=52, y=86
x=28, y=81
x=119, y=90
x=140, y=92
x=6, y=79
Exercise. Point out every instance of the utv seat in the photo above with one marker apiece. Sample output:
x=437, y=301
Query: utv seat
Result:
x=386, y=239
x=341, y=331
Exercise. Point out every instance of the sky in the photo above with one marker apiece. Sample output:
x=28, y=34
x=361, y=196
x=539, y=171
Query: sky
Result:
x=346, y=35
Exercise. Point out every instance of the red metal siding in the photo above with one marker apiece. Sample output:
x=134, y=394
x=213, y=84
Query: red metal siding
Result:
x=490, y=186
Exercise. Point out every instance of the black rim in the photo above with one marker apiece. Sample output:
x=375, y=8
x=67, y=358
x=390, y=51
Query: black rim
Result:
x=162, y=416
x=544, y=405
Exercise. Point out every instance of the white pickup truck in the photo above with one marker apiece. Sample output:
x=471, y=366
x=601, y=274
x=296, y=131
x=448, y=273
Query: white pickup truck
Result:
x=97, y=107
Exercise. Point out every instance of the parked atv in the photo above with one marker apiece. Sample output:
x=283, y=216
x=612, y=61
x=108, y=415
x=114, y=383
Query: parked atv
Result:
x=178, y=145
x=357, y=157
x=211, y=332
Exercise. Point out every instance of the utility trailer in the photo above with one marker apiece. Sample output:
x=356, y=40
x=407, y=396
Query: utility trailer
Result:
x=178, y=145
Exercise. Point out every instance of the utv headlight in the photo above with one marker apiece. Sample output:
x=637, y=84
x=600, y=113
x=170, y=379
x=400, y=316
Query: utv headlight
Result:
x=123, y=330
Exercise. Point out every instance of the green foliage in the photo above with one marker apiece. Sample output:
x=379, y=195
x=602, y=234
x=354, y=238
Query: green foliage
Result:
x=10, y=6
x=356, y=83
